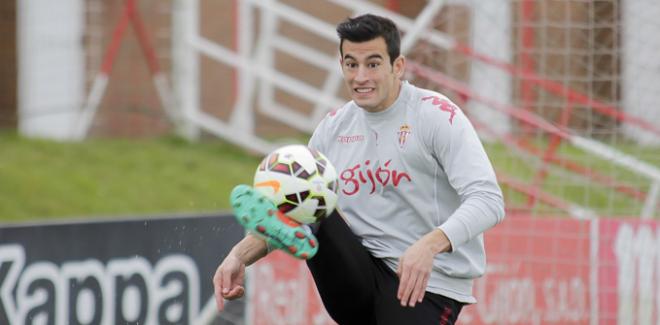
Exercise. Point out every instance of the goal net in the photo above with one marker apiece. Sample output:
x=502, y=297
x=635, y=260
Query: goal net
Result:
x=562, y=70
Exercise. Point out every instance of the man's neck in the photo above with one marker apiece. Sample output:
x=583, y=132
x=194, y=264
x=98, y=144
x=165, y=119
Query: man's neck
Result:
x=390, y=100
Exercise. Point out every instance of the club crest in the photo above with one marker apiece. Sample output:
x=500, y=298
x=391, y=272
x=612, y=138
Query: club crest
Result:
x=404, y=132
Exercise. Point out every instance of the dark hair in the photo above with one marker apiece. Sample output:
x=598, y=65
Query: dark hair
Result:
x=368, y=27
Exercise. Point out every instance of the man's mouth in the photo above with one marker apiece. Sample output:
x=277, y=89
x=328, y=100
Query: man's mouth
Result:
x=363, y=90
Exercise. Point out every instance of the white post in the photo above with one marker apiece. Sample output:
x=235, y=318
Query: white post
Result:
x=491, y=33
x=242, y=117
x=421, y=24
x=265, y=56
x=86, y=116
x=641, y=66
x=594, y=263
x=185, y=64
x=651, y=200
x=51, y=67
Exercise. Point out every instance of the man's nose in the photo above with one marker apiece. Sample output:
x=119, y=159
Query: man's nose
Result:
x=361, y=75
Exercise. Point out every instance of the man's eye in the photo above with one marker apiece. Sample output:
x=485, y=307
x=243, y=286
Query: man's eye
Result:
x=373, y=65
x=351, y=65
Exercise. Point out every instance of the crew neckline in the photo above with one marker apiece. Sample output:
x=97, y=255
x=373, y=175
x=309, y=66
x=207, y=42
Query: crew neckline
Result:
x=404, y=91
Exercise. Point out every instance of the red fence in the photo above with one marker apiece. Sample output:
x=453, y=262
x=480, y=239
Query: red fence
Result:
x=540, y=271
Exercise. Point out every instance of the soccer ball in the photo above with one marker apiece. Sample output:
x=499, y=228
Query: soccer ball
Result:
x=300, y=181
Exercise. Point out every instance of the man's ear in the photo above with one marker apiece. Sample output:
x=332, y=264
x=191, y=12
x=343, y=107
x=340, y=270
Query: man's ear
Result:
x=399, y=66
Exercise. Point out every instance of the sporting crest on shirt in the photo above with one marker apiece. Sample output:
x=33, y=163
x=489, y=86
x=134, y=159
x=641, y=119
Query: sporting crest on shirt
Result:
x=404, y=132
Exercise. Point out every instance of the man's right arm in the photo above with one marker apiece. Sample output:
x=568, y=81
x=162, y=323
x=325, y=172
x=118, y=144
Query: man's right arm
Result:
x=250, y=249
x=229, y=278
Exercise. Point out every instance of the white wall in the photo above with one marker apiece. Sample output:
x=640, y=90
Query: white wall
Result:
x=641, y=66
x=51, y=66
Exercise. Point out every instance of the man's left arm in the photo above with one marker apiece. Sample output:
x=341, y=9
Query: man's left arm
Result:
x=458, y=149
x=415, y=266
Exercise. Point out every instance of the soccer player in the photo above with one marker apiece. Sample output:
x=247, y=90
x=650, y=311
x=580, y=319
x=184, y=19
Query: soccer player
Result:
x=416, y=193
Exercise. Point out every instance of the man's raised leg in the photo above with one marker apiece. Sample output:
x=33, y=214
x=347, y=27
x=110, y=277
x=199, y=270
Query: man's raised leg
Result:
x=258, y=215
x=343, y=272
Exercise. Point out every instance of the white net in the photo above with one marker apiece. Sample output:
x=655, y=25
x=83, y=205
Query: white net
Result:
x=569, y=65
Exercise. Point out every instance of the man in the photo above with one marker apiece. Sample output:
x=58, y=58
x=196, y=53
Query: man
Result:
x=416, y=193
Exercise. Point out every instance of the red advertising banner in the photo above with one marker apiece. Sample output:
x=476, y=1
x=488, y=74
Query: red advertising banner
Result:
x=282, y=292
x=540, y=271
x=628, y=272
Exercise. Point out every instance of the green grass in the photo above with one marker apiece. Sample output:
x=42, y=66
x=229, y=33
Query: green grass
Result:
x=574, y=188
x=44, y=179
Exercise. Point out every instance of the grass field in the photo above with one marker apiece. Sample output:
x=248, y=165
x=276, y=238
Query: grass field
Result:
x=45, y=179
x=100, y=178
x=574, y=187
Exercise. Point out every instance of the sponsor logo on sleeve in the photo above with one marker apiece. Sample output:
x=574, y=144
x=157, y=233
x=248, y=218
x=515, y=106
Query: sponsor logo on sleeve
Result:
x=333, y=112
x=444, y=105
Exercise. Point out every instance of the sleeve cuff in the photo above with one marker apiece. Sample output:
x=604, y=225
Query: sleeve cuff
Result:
x=456, y=232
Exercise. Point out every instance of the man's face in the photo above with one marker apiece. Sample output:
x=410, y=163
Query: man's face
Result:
x=372, y=81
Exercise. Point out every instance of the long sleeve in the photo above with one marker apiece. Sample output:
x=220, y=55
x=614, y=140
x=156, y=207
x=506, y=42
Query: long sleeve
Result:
x=459, y=151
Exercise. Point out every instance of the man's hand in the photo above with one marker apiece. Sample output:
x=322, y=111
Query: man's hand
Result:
x=415, y=266
x=228, y=280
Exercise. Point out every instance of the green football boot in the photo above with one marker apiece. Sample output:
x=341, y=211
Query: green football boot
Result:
x=261, y=217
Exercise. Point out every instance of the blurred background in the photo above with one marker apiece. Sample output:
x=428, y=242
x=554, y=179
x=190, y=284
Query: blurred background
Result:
x=115, y=109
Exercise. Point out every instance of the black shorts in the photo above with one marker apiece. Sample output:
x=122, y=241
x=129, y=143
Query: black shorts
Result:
x=357, y=288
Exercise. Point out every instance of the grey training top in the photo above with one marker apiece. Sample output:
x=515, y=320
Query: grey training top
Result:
x=411, y=168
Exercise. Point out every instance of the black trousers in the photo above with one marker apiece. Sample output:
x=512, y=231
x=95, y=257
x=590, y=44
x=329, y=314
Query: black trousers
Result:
x=357, y=288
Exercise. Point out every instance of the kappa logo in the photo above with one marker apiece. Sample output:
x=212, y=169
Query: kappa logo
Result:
x=91, y=291
x=404, y=132
x=333, y=112
x=444, y=105
x=346, y=139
